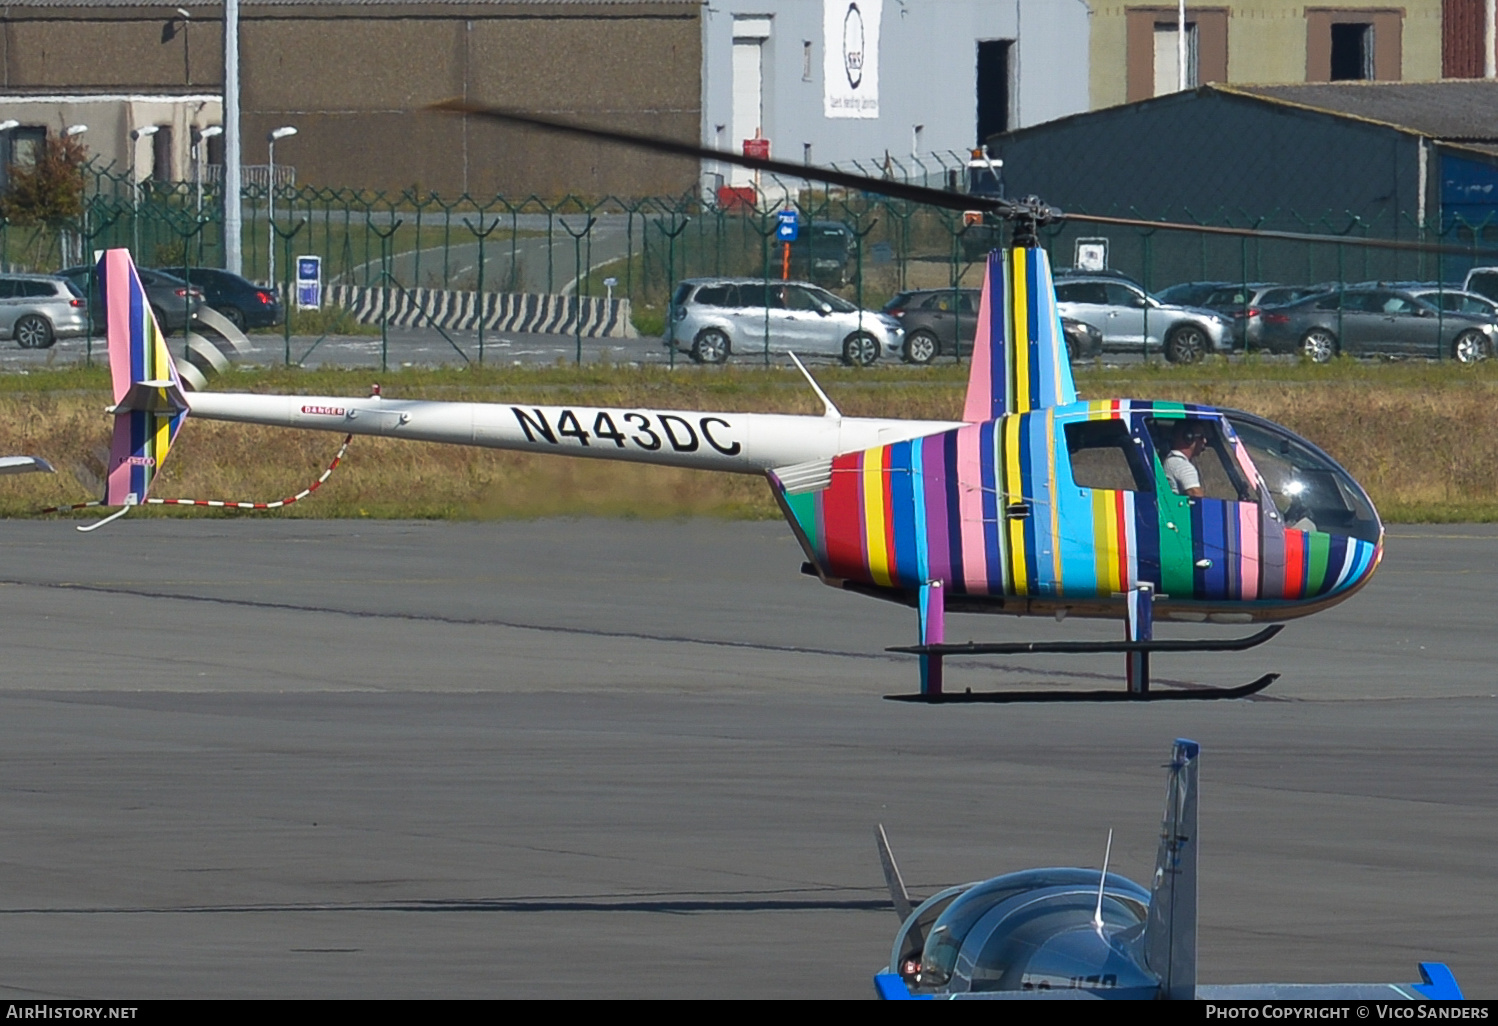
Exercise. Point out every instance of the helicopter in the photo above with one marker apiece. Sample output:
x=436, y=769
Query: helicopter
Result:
x=1035, y=502
x=1081, y=933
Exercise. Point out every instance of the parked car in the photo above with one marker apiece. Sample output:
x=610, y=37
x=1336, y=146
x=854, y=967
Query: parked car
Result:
x=173, y=301
x=1373, y=321
x=944, y=322
x=244, y=303
x=1243, y=304
x=824, y=252
x=1131, y=319
x=1453, y=300
x=38, y=309
x=713, y=318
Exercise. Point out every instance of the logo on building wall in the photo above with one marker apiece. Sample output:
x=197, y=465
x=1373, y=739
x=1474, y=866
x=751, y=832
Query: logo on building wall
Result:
x=853, y=45
x=850, y=67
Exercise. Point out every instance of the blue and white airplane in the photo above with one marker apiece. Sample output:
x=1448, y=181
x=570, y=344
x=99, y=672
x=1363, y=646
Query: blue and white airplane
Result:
x=1072, y=934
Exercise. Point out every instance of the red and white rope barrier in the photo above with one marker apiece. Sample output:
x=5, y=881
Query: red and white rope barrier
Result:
x=224, y=503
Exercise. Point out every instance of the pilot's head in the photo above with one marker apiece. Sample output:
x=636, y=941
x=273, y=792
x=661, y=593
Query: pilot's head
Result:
x=1190, y=437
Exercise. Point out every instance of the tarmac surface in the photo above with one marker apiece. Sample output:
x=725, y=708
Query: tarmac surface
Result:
x=593, y=758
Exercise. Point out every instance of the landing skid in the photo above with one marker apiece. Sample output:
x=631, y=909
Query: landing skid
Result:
x=1137, y=646
x=1002, y=697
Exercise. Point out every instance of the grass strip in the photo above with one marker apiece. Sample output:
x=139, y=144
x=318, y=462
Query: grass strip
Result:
x=1421, y=437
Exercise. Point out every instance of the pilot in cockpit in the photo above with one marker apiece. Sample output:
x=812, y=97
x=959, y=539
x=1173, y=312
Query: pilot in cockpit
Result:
x=1187, y=443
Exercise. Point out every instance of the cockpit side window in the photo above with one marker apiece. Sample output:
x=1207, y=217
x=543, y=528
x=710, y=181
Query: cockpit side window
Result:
x=1103, y=455
x=1218, y=474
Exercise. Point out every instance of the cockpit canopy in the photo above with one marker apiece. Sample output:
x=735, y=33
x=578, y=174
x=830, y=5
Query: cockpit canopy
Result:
x=1034, y=930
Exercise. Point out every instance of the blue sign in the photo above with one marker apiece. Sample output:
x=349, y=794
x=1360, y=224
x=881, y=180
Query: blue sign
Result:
x=788, y=226
x=308, y=282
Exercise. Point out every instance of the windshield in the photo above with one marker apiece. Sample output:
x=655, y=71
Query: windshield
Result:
x=838, y=303
x=1310, y=491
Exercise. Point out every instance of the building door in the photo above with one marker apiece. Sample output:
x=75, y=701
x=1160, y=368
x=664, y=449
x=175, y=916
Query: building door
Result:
x=993, y=87
x=749, y=35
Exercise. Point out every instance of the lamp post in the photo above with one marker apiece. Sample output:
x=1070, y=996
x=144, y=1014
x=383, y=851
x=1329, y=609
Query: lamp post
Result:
x=68, y=133
x=197, y=158
x=270, y=196
x=5, y=128
x=136, y=135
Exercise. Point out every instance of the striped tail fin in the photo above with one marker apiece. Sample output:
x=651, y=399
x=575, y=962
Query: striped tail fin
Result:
x=149, y=406
x=1019, y=356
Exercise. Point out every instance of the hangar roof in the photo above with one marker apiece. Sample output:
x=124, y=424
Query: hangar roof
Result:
x=1455, y=110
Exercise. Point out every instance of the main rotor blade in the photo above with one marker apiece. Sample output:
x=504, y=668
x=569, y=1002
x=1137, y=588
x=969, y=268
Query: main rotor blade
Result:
x=1270, y=233
x=920, y=193
x=657, y=144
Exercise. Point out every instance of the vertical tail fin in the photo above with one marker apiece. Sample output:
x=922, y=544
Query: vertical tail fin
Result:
x=1170, y=931
x=149, y=406
x=1020, y=361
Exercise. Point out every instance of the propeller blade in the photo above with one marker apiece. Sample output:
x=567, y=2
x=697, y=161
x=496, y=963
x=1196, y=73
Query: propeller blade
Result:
x=676, y=148
x=921, y=193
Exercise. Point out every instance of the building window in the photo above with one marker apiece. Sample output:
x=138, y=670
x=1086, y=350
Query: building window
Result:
x=995, y=86
x=806, y=60
x=161, y=154
x=1152, y=63
x=1348, y=45
x=1168, y=56
x=1462, y=38
x=26, y=145
x=1352, y=51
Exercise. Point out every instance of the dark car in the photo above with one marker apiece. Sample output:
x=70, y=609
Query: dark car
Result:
x=941, y=322
x=1245, y=305
x=1191, y=293
x=244, y=303
x=173, y=301
x=823, y=253
x=1374, y=321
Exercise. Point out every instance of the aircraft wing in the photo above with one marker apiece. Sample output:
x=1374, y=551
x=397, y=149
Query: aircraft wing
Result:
x=24, y=465
x=1439, y=984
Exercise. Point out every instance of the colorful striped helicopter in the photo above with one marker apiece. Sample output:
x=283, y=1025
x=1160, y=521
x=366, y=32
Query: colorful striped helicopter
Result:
x=1033, y=503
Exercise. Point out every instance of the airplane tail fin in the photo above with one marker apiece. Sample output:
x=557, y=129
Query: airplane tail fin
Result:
x=1020, y=362
x=1169, y=939
x=149, y=405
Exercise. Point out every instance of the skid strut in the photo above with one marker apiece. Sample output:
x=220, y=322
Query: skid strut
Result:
x=1139, y=642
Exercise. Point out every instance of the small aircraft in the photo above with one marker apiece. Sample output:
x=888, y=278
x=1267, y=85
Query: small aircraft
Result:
x=1083, y=933
x=1035, y=502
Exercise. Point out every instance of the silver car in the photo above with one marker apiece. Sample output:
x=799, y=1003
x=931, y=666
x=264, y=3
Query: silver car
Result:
x=38, y=309
x=1132, y=319
x=713, y=318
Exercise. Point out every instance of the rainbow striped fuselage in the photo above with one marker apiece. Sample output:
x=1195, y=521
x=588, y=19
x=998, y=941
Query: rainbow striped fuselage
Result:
x=992, y=511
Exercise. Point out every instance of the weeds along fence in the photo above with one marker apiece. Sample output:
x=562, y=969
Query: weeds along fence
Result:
x=639, y=248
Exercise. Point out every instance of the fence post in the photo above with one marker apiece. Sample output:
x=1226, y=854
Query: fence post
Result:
x=671, y=234
x=286, y=237
x=481, y=234
x=577, y=296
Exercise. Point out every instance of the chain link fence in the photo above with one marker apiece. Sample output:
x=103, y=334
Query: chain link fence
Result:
x=637, y=249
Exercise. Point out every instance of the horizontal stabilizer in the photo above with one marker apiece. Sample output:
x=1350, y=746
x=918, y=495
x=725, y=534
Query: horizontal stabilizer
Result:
x=160, y=397
x=24, y=465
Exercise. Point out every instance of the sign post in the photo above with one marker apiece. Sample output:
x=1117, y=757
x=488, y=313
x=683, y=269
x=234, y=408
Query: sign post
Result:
x=787, y=228
x=309, y=282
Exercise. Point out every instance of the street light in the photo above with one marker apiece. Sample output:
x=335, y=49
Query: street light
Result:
x=270, y=194
x=197, y=157
x=136, y=135
x=68, y=133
